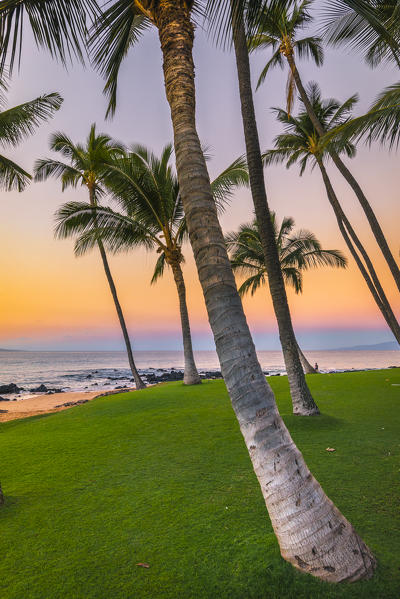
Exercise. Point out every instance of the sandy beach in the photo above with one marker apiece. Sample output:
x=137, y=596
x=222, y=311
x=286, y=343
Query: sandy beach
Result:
x=43, y=404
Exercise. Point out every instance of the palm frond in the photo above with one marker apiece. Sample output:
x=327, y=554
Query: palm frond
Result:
x=252, y=284
x=61, y=27
x=159, y=268
x=12, y=176
x=114, y=33
x=47, y=167
x=19, y=122
x=223, y=186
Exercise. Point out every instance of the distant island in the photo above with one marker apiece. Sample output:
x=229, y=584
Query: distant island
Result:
x=5, y=349
x=388, y=346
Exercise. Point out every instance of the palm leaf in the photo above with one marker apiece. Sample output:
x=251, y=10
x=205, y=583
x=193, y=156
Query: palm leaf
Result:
x=19, y=122
x=235, y=175
x=12, y=176
x=118, y=29
x=61, y=27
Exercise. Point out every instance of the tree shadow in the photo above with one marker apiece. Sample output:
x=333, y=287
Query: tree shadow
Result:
x=323, y=422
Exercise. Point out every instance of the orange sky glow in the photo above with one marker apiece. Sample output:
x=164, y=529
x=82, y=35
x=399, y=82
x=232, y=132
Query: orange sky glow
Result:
x=48, y=296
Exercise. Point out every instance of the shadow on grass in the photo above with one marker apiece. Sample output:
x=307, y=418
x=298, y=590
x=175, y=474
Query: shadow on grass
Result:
x=313, y=423
x=10, y=502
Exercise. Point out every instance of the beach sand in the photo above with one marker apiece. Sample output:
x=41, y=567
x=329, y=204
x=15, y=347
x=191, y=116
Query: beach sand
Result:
x=43, y=404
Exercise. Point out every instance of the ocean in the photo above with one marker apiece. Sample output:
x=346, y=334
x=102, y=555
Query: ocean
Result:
x=78, y=371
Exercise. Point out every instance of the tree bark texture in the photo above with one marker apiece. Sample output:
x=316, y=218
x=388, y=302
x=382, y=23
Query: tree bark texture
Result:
x=139, y=383
x=366, y=206
x=313, y=535
x=302, y=400
x=191, y=376
x=308, y=369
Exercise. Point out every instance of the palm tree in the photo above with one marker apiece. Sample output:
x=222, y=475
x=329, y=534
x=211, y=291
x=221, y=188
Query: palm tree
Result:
x=86, y=166
x=16, y=124
x=314, y=536
x=150, y=215
x=301, y=143
x=302, y=400
x=298, y=251
x=279, y=28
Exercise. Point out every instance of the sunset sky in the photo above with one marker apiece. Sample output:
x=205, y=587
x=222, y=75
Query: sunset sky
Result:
x=51, y=300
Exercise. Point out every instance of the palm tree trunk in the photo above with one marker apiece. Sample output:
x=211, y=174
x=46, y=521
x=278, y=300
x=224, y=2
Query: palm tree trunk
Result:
x=302, y=400
x=139, y=383
x=308, y=369
x=191, y=376
x=366, y=206
x=372, y=278
x=313, y=534
x=138, y=380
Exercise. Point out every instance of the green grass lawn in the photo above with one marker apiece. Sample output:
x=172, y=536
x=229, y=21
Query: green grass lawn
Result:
x=162, y=476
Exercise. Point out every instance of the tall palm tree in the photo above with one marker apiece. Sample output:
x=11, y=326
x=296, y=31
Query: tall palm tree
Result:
x=301, y=143
x=16, y=124
x=302, y=400
x=279, y=28
x=86, y=166
x=150, y=214
x=298, y=251
x=314, y=536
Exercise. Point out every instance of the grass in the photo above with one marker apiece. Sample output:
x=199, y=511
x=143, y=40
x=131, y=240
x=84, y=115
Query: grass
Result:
x=162, y=476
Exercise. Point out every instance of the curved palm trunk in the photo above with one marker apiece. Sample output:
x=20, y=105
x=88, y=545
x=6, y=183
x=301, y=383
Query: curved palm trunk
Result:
x=371, y=279
x=139, y=383
x=138, y=380
x=302, y=400
x=369, y=213
x=314, y=536
x=308, y=369
x=191, y=376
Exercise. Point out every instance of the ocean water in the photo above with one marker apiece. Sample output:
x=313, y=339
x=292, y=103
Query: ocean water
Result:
x=77, y=371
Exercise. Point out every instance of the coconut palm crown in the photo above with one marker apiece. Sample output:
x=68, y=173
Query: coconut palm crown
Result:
x=280, y=25
x=150, y=214
x=300, y=142
x=298, y=252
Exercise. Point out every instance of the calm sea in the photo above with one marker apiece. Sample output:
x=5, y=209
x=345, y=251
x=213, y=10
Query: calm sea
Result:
x=76, y=371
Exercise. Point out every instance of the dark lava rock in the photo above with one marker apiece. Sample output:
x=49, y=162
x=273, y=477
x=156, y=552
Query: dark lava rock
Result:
x=11, y=388
x=72, y=403
x=41, y=389
x=211, y=374
x=4, y=399
x=52, y=391
x=120, y=387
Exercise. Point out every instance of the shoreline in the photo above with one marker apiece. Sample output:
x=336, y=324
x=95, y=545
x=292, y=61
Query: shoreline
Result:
x=56, y=402
x=47, y=404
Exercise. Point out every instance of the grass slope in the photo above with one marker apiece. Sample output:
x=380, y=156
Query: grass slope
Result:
x=162, y=476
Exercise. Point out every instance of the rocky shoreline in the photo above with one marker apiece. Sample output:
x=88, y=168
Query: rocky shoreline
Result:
x=117, y=382
x=150, y=377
